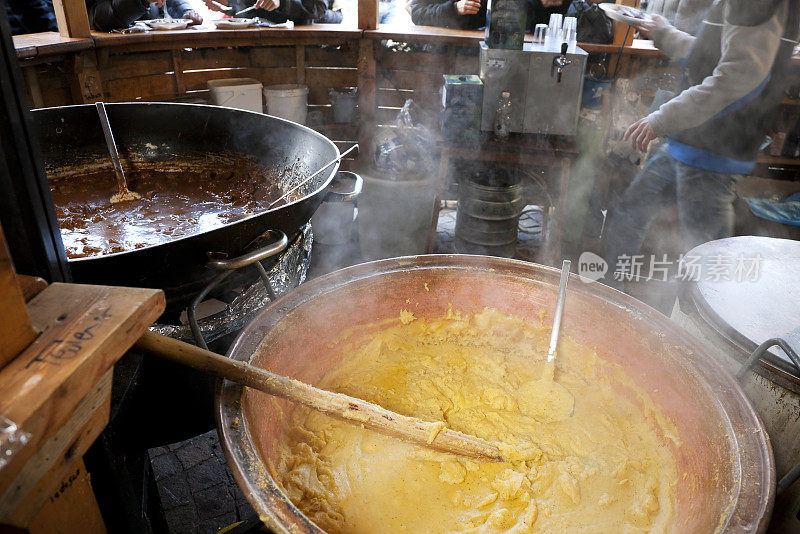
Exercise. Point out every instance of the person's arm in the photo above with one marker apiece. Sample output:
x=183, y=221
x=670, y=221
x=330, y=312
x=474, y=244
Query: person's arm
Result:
x=434, y=13
x=182, y=9
x=107, y=15
x=331, y=17
x=305, y=10
x=670, y=40
x=748, y=53
x=298, y=11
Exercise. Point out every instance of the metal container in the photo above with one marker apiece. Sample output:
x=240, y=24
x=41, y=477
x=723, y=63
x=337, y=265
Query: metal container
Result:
x=551, y=103
x=734, y=316
x=165, y=133
x=725, y=459
x=505, y=24
x=334, y=221
x=462, y=98
x=488, y=216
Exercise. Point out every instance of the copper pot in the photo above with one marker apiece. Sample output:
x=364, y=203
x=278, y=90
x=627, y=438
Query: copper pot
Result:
x=725, y=452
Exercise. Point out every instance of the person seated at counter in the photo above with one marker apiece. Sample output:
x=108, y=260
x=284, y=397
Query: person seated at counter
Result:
x=471, y=14
x=107, y=15
x=301, y=12
x=30, y=16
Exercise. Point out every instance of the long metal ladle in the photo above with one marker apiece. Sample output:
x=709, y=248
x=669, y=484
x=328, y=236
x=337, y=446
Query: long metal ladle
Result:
x=124, y=193
x=546, y=399
x=301, y=184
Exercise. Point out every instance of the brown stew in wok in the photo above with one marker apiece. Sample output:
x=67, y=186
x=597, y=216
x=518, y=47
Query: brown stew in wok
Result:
x=177, y=200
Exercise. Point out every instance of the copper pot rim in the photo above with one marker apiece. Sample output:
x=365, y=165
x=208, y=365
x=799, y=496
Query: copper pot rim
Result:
x=277, y=511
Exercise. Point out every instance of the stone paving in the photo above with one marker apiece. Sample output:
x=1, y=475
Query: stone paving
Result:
x=196, y=489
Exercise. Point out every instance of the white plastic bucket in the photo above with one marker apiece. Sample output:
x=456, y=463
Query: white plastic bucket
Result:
x=287, y=101
x=239, y=93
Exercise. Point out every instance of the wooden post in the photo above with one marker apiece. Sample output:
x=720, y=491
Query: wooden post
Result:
x=16, y=330
x=623, y=33
x=300, y=61
x=72, y=18
x=85, y=80
x=177, y=68
x=368, y=14
x=366, y=96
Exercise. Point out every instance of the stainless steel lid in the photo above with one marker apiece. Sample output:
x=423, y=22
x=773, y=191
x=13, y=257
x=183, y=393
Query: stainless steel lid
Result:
x=748, y=290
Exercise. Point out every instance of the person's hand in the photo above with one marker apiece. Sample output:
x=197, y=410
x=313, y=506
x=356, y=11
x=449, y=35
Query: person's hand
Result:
x=551, y=3
x=157, y=3
x=468, y=7
x=657, y=23
x=214, y=7
x=640, y=134
x=194, y=16
x=269, y=5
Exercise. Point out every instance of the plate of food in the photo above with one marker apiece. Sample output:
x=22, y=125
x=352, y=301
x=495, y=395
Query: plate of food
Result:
x=234, y=23
x=627, y=14
x=168, y=24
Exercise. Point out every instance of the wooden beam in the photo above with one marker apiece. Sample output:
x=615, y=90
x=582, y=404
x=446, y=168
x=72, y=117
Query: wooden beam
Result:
x=368, y=14
x=58, y=389
x=72, y=18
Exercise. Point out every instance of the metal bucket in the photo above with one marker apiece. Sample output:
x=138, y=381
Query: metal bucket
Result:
x=488, y=215
x=733, y=319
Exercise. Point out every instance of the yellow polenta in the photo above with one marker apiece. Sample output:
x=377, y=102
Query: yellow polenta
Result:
x=606, y=468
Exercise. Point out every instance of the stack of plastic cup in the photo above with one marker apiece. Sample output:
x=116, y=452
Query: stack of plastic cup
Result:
x=554, y=31
x=540, y=33
x=571, y=33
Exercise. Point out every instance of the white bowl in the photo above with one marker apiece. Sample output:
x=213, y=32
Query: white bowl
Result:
x=168, y=24
x=234, y=23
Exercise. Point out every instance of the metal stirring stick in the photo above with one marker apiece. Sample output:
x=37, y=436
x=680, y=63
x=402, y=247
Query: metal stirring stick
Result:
x=245, y=10
x=545, y=399
x=124, y=193
x=562, y=293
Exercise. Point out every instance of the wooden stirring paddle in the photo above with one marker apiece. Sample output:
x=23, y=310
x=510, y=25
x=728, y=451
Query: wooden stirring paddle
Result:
x=124, y=193
x=350, y=409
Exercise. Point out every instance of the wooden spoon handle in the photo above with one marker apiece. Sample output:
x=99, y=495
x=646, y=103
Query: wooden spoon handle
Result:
x=349, y=409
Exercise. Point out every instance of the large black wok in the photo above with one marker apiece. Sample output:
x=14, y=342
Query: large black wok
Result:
x=158, y=132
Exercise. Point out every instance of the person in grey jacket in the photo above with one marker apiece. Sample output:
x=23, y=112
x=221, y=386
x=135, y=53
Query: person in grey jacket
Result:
x=107, y=15
x=735, y=73
x=686, y=15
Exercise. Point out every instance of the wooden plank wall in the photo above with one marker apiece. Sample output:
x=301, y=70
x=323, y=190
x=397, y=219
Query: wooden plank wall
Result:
x=401, y=71
x=182, y=75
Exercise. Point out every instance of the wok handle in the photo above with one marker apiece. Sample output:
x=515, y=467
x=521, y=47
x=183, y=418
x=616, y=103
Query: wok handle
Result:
x=336, y=196
x=350, y=409
x=276, y=247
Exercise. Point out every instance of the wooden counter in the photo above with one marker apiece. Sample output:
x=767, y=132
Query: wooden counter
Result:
x=202, y=37
x=52, y=44
x=36, y=45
